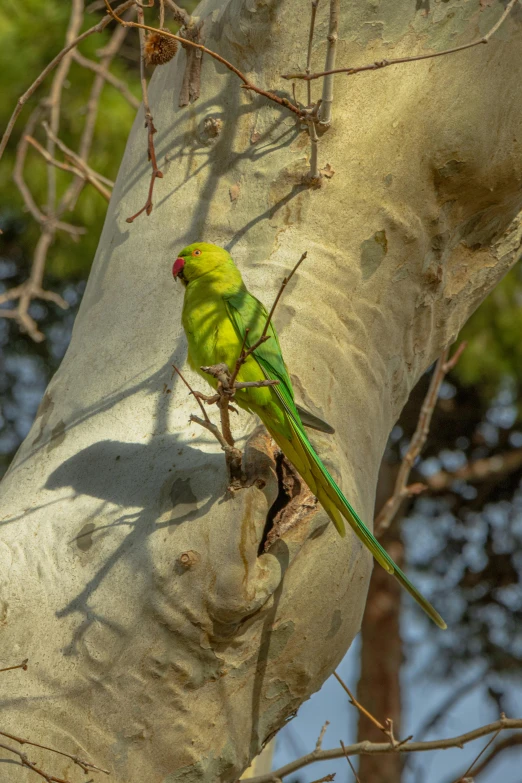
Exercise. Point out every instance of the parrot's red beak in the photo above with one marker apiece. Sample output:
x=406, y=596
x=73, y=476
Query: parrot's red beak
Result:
x=177, y=269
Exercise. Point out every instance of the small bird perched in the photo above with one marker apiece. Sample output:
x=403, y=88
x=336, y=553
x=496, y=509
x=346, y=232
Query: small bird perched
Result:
x=219, y=317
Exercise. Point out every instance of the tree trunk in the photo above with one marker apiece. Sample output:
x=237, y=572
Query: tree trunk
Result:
x=379, y=686
x=159, y=642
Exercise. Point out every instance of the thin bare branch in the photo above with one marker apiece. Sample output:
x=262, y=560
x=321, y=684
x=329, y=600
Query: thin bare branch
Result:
x=381, y=748
x=313, y=174
x=109, y=77
x=478, y=470
x=358, y=705
x=325, y=117
x=54, y=99
x=402, y=490
x=76, y=159
x=319, y=743
x=97, y=28
x=149, y=122
x=85, y=766
x=205, y=422
x=22, y=665
x=195, y=394
x=18, y=177
x=247, y=85
x=66, y=167
x=179, y=14
x=509, y=742
x=285, y=282
x=315, y=3
x=343, y=746
x=467, y=773
x=156, y=173
x=245, y=351
x=107, y=54
x=349, y=71
x=24, y=762
x=32, y=289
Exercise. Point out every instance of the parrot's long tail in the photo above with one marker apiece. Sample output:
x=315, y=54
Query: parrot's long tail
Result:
x=306, y=461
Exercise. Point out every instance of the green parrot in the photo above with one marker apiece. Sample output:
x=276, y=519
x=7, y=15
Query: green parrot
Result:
x=217, y=311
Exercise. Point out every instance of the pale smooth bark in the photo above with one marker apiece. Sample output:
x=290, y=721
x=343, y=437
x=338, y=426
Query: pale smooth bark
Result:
x=166, y=668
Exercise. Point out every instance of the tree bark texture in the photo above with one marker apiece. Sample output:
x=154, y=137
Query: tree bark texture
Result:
x=160, y=642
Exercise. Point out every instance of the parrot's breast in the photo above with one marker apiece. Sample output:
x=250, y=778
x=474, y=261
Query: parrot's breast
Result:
x=212, y=339
x=211, y=335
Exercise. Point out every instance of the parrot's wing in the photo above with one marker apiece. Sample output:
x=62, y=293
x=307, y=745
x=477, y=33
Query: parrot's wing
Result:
x=312, y=421
x=247, y=312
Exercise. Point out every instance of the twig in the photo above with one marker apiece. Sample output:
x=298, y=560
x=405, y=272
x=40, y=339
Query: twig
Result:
x=508, y=742
x=49, y=217
x=319, y=743
x=380, y=748
x=191, y=84
x=205, y=421
x=285, y=282
x=149, y=122
x=24, y=761
x=86, y=766
x=76, y=159
x=313, y=174
x=247, y=85
x=445, y=706
x=107, y=54
x=233, y=455
x=257, y=384
x=384, y=63
x=358, y=705
x=22, y=665
x=343, y=746
x=463, y=777
x=66, y=167
x=109, y=77
x=326, y=109
x=387, y=729
x=156, y=173
x=97, y=28
x=32, y=289
x=478, y=470
x=402, y=490
x=179, y=14
x=18, y=177
x=315, y=3
x=54, y=100
x=245, y=351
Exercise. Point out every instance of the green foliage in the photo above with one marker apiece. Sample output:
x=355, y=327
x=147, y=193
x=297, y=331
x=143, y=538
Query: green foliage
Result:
x=494, y=334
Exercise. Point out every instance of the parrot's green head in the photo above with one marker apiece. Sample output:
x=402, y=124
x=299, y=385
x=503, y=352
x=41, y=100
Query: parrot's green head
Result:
x=199, y=259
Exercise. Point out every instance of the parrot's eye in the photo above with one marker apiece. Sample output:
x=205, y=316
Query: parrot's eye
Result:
x=196, y=252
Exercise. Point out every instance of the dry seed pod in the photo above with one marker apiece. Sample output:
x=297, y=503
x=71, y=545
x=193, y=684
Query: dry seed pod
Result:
x=159, y=49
